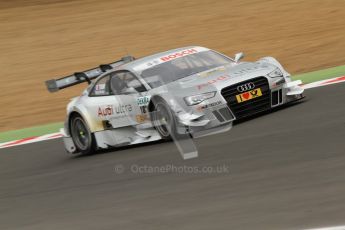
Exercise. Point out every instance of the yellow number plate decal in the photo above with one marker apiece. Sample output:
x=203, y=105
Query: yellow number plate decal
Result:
x=246, y=96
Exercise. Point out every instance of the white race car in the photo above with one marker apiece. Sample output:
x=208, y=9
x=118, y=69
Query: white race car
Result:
x=191, y=91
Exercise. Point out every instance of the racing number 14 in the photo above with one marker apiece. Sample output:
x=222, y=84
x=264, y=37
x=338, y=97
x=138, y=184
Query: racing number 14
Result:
x=248, y=95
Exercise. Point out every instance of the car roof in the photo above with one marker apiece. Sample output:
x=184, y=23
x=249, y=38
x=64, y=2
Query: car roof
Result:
x=142, y=61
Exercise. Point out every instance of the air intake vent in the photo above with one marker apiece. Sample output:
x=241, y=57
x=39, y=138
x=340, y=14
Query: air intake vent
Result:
x=252, y=106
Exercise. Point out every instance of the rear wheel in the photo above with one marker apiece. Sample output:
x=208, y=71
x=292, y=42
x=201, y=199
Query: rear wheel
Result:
x=81, y=135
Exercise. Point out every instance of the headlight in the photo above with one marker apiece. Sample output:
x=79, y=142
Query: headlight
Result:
x=196, y=99
x=275, y=73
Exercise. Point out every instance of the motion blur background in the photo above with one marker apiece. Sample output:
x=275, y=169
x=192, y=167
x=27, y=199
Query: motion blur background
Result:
x=40, y=40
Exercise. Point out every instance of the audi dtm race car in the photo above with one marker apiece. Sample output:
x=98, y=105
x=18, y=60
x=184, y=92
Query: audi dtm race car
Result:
x=191, y=91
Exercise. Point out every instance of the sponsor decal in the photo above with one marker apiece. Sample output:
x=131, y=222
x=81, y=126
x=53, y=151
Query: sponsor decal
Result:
x=249, y=69
x=140, y=118
x=212, y=71
x=249, y=95
x=99, y=89
x=106, y=111
x=169, y=57
x=153, y=63
x=178, y=54
x=141, y=101
x=202, y=107
x=245, y=87
x=123, y=108
x=221, y=78
x=111, y=110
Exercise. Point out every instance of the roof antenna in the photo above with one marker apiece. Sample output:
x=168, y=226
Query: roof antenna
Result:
x=128, y=57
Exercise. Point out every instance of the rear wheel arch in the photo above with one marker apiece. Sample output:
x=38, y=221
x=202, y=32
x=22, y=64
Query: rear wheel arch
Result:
x=93, y=125
x=70, y=117
x=91, y=139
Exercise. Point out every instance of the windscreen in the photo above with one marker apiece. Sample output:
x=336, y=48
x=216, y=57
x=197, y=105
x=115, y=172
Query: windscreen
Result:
x=182, y=67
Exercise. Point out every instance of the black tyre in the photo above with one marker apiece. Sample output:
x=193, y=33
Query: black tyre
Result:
x=163, y=120
x=81, y=135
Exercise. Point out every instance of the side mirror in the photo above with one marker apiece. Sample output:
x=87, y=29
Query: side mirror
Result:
x=238, y=56
x=130, y=90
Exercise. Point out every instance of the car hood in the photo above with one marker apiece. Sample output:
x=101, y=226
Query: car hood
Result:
x=223, y=76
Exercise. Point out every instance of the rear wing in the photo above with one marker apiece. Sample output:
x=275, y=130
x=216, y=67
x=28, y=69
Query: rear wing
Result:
x=55, y=85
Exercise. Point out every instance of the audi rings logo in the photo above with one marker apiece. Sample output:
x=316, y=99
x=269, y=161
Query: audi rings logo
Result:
x=245, y=87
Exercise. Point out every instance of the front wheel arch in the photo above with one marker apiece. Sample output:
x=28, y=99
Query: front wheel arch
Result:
x=152, y=108
x=151, y=105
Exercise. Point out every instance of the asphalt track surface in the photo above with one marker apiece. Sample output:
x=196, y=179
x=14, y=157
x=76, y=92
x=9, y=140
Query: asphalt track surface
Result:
x=286, y=171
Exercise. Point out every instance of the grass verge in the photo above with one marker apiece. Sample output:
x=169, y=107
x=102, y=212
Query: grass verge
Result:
x=320, y=74
x=30, y=132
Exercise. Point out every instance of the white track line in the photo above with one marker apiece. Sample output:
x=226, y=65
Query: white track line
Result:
x=329, y=228
x=58, y=135
x=324, y=82
x=30, y=140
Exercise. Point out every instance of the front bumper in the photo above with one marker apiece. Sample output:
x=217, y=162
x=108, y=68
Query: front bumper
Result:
x=206, y=118
x=274, y=93
x=252, y=106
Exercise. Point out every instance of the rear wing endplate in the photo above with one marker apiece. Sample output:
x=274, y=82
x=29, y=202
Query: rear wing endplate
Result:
x=55, y=85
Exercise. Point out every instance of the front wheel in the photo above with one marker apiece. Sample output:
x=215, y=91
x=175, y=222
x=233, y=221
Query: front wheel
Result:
x=82, y=136
x=163, y=120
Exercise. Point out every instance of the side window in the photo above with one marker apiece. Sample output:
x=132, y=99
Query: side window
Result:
x=124, y=83
x=102, y=87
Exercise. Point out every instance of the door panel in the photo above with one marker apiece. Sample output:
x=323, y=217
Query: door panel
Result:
x=119, y=99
